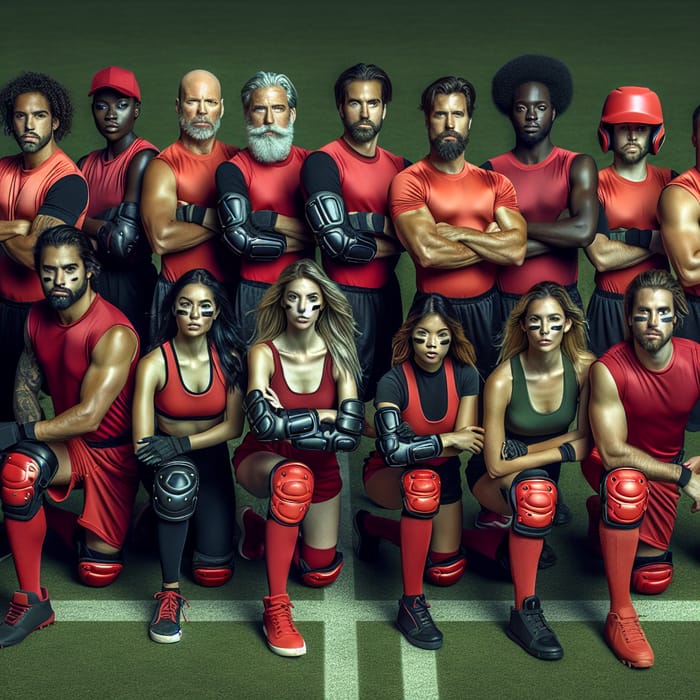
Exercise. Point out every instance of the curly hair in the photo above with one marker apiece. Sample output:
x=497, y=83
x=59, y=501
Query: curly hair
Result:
x=532, y=68
x=574, y=344
x=336, y=324
x=447, y=85
x=57, y=96
x=224, y=333
x=363, y=72
x=424, y=305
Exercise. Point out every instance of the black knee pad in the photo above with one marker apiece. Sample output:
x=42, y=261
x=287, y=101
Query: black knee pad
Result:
x=27, y=471
x=175, y=488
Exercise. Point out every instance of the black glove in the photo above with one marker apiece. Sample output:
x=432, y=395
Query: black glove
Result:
x=157, y=449
x=513, y=448
x=11, y=433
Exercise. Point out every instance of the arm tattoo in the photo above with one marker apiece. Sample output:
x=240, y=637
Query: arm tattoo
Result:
x=28, y=382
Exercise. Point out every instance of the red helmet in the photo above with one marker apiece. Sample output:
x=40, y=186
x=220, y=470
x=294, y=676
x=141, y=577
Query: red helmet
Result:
x=632, y=105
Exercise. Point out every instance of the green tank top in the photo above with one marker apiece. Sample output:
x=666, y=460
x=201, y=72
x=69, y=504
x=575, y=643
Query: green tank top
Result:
x=524, y=422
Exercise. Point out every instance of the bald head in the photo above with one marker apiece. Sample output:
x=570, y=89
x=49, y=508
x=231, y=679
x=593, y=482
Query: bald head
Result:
x=198, y=81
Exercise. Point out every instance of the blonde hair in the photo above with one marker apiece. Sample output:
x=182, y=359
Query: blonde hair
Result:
x=573, y=345
x=336, y=324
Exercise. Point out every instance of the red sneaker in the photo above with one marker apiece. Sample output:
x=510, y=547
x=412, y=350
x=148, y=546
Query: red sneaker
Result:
x=626, y=638
x=282, y=636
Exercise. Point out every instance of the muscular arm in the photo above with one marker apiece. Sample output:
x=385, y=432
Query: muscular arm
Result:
x=230, y=426
x=607, y=255
x=503, y=243
x=609, y=427
x=679, y=217
x=28, y=382
x=159, y=211
x=579, y=228
x=105, y=378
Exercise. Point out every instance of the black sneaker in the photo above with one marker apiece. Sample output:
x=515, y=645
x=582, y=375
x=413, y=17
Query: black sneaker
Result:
x=528, y=627
x=366, y=545
x=416, y=624
x=25, y=614
x=165, y=623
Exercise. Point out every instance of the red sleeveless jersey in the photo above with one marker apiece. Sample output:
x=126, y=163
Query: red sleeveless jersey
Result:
x=194, y=174
x=64, y=353
x=543, y=193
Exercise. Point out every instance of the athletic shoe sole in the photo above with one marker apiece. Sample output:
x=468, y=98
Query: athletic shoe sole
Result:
x=284, y=651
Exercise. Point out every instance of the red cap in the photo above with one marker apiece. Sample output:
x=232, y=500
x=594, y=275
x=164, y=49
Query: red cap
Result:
x=118, y=79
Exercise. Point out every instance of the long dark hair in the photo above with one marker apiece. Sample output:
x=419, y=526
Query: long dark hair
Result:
x=224, y=334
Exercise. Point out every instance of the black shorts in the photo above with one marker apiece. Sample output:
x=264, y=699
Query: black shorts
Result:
x=378, y=315
x=13, y=317
x=606, y=321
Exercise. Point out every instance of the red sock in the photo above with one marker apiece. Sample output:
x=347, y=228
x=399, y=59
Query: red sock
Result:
x=485, y=542
x=524, y=553
x=26, y=538
x=619, y=549
x=280, y=541
x=317, y=558
x=415, y=541
x=63, y=522
x=386, y=528
x=437, y=557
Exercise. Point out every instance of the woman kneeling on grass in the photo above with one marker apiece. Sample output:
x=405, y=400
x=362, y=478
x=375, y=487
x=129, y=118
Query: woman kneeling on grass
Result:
x=426, y=415
x=188, y=389
x=537, y=391
x=302, y=408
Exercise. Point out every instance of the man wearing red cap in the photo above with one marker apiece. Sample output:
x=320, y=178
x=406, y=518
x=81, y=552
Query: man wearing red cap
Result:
x=39, y=187
x=114, y=175
x=178, y=203
x=632, y=127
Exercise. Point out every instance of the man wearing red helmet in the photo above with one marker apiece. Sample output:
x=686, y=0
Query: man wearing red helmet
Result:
x=114, y=175
x=632, y=127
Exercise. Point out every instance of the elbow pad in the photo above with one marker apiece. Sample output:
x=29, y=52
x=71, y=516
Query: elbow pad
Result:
x=342, y=436
x=268, y=423
x=250, y=235
x=118, y=237
x=325, y=214
x=400, y=447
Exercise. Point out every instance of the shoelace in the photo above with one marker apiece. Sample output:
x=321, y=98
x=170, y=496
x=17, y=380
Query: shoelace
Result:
x=280, y=615
x=15, y=612
x=420, y=607
x=631, y=630
x=169, y=604
x=535, y=618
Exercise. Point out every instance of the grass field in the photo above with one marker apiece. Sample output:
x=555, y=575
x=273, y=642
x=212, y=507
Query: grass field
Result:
x=99, y=646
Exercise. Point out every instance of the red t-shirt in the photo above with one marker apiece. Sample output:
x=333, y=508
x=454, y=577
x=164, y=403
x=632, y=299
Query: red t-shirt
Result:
x=468, y=199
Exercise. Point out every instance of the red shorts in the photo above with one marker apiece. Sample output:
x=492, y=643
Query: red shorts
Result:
x=324, y=465
x=657, y=527
x=110, y=478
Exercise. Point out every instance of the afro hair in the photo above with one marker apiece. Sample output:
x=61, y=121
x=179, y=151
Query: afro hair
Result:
x=532, y=68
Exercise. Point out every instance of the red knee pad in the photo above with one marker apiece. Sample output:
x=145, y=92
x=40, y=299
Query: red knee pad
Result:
x=98, y=573
x=533, y=498
x=420, y=489
x=291, y=488
x=445, y=573
x=624, y=493
x=212, y=577
x=652, y=575
x=318, y=578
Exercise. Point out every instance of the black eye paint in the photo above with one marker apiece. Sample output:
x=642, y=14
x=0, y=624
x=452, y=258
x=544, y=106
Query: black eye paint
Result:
x=419, y=341
x=557, y=327
x=207, y=313
x=666, y=319
x=182, y=312
x=639, y=319
x=316, y=307
x=534, y=327
x=445, y=341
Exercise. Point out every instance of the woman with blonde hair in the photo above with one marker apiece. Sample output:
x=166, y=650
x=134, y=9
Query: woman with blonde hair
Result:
x=302, y=408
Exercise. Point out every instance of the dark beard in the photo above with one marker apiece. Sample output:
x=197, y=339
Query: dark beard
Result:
x=449, y=150
x=61, y=303
x=360, y=135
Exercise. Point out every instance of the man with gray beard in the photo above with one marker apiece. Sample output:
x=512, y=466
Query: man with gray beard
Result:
x=178, y=201
x=260, y=205
x=458, y=222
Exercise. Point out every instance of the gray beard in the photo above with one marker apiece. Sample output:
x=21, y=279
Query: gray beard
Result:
x=270, y=149
x=199, y=133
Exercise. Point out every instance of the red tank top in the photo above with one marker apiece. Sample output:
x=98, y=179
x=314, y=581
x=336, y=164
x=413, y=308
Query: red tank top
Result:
x=194, y=174
x=325, y=396
x=64, y=354
x=413, y=413
x=107, y=178
x=177, y=402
